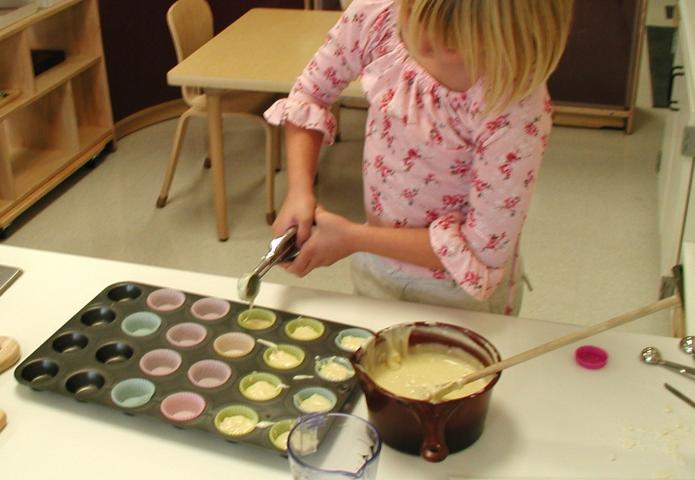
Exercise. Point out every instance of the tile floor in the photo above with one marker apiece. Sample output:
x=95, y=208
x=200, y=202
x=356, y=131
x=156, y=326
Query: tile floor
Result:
x=590, y=243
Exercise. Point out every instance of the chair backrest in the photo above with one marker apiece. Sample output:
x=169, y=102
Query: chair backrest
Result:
x=190, y=25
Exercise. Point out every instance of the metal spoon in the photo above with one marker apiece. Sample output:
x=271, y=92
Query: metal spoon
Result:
x=652, y=356
x=280, y=249
x=687, y=345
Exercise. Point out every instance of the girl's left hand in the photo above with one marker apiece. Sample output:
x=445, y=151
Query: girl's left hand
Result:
x=328, y=243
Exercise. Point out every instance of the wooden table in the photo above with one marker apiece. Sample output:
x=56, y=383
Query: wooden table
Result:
x=264, y=50
x=548, y=418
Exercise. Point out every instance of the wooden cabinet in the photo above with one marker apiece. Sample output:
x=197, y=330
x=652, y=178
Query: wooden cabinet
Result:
x=595, y=82
x=58, y=119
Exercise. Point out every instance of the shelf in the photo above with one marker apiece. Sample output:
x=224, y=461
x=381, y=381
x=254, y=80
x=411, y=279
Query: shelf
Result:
x=31, y=167
x=91, y=135
x=73, y=65
x=52, y=78
x=62, y=117
x=42, y=14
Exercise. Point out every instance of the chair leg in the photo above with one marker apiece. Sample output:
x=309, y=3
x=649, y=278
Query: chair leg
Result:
x=277, y=148
x=271, y=150
x=207, y=162
x=173, y=160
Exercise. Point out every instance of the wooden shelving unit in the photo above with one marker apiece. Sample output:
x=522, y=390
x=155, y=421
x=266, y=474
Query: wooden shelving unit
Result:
x=61, y=118
x=595, y=84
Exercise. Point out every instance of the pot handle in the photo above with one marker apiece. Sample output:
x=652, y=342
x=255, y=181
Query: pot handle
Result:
x=433, y=419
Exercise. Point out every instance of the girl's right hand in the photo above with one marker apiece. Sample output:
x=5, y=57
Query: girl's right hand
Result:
x=297, y=209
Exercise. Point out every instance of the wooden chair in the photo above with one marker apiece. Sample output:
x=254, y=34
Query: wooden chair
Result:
x=190, y=25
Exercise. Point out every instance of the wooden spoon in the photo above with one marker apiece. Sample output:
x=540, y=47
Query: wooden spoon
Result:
x=9, y=355
x=440, y=391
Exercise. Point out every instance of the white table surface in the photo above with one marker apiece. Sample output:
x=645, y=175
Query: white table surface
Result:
x=548, y=417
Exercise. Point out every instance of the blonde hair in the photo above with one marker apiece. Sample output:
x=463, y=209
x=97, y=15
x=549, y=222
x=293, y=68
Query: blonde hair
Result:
x=512, y=46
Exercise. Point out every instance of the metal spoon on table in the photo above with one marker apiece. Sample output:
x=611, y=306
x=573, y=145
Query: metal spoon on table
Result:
x=687, y=345
x=651, y=356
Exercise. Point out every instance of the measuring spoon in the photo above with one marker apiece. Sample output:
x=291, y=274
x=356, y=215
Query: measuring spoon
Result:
x=687, y=345
x=652, y=356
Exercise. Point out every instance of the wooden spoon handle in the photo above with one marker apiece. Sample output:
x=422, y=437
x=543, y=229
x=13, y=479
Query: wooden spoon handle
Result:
x=557, y=343
x=9, y=353
x=3, y=420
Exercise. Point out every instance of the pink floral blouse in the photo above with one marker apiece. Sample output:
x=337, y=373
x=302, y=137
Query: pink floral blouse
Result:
x=431, y=158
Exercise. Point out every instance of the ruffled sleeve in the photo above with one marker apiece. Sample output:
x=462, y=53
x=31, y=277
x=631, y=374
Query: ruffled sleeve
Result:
x=305, y=114
x=349, y=46
x=474, y=247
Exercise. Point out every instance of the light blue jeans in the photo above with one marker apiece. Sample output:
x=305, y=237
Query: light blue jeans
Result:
x=374, y=277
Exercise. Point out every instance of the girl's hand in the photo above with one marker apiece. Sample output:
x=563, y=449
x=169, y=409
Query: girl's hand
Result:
x=330, y=241
x=297, y=209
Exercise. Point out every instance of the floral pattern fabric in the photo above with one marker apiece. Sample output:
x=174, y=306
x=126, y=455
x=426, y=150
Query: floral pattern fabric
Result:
x=432, y=158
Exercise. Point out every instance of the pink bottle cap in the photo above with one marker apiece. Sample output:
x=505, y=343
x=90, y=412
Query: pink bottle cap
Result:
x=589, y=356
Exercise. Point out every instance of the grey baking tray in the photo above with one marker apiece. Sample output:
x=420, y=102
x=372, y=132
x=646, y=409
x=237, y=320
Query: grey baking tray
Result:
x=103, y=355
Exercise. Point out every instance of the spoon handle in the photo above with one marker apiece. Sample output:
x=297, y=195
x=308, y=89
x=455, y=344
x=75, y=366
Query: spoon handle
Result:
x=677, y=367
x=441, y=390
x=679, y=394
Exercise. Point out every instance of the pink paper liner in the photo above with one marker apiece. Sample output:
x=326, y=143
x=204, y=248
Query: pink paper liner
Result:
x=182, y=406
x=165, y=299
x=209, y=373
x=160, y=362
x=210, y=309
x=186, y=334
x=242, y=342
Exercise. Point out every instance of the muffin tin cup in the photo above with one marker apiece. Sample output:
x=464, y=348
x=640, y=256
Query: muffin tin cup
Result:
x=166, y=300
x=257, y=319
x=133, y=393
x=351, y=339
x=234, y=344
x=210, y=309
x=284, y=357
x=85, y=384
x=124, y=293
x=38, y=371
x=304, y=329
x=160, y=362
x=314, y=400
x=187, y=334
x=99, y=316
x=334, y=369
x=114, y=352
x=70, y=342
x=141, y=324
x=261, y=386
x=182, y=406
x=184, y=359
x=209, y=373
x=279, y=432
x=236, y=420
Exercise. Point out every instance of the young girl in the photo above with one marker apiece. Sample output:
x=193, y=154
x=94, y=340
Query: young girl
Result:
x=458, y=121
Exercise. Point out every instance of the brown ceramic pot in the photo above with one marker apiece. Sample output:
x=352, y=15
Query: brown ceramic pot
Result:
x=432, y=430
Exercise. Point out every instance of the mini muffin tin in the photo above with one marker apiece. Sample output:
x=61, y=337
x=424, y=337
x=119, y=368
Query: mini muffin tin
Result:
x=195, y=362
